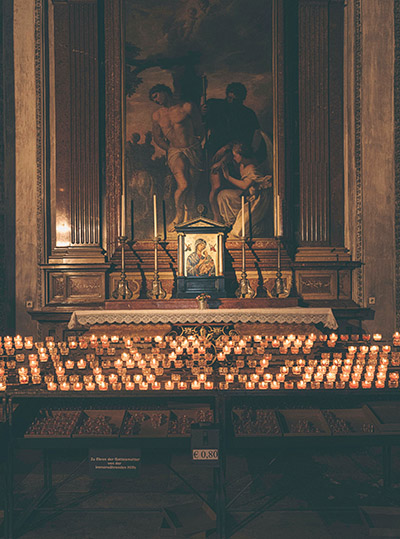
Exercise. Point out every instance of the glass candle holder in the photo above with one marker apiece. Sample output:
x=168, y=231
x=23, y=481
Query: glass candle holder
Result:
x=264, y=362
x=113, y=378
x=81, y=364
x=77, y=386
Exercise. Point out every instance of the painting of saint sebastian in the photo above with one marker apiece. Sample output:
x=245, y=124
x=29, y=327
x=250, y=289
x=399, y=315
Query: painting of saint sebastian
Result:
x=178, y=129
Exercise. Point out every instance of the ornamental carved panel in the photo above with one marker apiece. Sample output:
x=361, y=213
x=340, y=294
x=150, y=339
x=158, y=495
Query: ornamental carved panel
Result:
x=76, y=287
x=317, y=285
x=85, y=287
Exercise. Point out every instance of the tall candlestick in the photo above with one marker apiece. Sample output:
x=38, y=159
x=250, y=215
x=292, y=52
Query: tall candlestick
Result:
x=279, y=255
x=155, y=214
x=123, y=216
x=242, y=216
x=279, y=220
x=157, y=290
x=243, y=256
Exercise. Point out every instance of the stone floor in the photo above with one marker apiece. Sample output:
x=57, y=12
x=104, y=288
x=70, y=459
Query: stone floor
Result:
x=280, y=496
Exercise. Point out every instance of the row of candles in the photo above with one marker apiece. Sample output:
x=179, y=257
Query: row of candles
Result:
x=282, y=342
x=329, y=371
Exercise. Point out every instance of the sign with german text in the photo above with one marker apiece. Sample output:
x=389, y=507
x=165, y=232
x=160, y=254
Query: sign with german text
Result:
x=114, y=463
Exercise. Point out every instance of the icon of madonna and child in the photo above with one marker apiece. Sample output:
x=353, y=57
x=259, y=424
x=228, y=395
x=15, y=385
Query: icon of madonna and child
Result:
x=199, y=117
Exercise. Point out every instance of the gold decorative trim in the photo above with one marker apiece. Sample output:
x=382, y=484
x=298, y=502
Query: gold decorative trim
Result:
x=359, y=251
x=40, y=147
x=397, y=153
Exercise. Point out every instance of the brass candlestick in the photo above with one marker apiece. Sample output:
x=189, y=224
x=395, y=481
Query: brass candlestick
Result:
x=279, y=287
x=244, y=290
x=122, y=290
x=156, y=291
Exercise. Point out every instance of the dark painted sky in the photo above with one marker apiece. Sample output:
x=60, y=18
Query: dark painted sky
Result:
x=234, y=40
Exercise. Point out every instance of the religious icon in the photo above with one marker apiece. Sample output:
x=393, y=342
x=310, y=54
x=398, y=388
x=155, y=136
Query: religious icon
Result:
x=199, y=114
x=200, y=263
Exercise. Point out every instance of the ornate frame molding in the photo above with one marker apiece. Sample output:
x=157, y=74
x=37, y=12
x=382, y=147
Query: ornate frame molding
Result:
x=397, y=155
x=359, y=246
x=40, y=146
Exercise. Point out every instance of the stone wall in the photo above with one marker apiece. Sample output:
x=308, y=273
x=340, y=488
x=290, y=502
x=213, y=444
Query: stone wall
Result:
x=369, y=151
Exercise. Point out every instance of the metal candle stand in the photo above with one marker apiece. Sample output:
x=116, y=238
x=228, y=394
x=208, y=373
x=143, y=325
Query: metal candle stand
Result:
x=156, y=291
x=279, y=287
x=122, y=290
x=244, y=290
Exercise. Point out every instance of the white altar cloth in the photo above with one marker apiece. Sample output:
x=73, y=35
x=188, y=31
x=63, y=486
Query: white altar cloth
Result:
x=292, y=315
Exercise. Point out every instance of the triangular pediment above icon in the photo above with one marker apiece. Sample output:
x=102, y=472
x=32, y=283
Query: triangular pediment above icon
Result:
x=200, y=223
